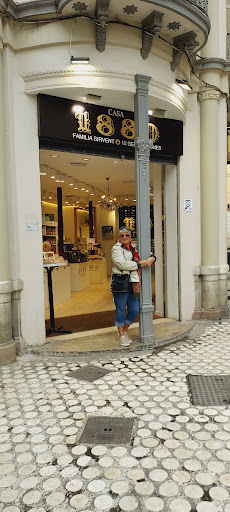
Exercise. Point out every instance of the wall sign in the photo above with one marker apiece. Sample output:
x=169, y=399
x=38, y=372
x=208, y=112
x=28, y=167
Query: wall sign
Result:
x=66, y=124
x=127, y=217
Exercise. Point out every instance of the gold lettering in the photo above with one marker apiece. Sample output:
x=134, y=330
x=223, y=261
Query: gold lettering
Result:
x=129, y=222
x=83, y=122
x=128, y=129
x=105, y=125
x=154, y=133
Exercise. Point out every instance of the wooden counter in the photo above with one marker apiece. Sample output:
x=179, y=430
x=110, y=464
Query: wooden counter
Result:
x=79, y=276
x=97, y=271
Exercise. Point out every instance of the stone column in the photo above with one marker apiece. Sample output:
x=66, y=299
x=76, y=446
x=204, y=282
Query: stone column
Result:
x=7, y=345
x=211, y=276
x=142, y=153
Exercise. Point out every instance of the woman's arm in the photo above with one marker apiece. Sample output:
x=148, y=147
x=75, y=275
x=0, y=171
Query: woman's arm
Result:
x=120, y=262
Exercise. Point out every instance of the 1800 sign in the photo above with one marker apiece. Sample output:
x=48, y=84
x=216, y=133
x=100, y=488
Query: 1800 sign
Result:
x=104, y=125
x=67, y=124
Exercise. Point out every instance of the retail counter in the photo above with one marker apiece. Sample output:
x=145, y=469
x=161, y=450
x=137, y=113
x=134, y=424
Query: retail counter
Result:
x=61, y=286
x=97, y=271
x=79, y=276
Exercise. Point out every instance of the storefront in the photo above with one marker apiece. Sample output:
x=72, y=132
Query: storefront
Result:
x=87, y=154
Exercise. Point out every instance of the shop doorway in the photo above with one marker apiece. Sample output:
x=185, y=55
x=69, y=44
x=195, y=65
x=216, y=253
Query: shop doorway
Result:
x=82, y=296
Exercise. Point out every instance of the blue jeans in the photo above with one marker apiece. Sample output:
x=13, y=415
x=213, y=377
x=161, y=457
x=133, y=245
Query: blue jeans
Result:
x=122, y=300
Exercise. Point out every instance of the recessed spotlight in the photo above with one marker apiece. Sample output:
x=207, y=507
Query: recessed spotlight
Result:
x=77, y=109
x=134, y=200
x=71, y=184
x=53, y=156
x=115, y=162
x=50, y=197
x=126, y=199
x=66, y=202
x=53, y=177
x=87, y=190
x=92, y=194
x=42, y=173
x=86, y=159
x=75, y=188
x=82, y=188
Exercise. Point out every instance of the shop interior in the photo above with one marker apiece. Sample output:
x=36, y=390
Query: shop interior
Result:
x=98, y=195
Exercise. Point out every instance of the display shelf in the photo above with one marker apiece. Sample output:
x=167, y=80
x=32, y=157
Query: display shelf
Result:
x=49, y=233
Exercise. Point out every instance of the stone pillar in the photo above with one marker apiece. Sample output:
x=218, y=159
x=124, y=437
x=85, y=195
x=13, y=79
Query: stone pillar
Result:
x=7, y=345
x=142, y=153
x=211, y=276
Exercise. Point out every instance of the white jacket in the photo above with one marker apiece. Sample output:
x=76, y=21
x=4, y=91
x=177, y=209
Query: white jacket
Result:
x=123, y=262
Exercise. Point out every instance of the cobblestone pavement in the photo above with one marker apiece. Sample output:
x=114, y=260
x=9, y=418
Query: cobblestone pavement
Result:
x=178, y=457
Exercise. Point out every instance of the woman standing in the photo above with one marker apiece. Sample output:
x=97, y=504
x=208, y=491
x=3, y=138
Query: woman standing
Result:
x=125, y=282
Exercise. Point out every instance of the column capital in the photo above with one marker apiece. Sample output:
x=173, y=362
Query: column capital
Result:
x=144, y=145
x=142, y=82
x=209, y=94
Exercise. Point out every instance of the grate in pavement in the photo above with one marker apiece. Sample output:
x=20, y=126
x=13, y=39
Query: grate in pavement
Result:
x=210, y=389
x=107, y=430
x=88, y=373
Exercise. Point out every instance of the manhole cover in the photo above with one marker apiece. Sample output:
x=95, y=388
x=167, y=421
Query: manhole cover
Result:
x=88, y=373
x=104, y=430
x=210, y=389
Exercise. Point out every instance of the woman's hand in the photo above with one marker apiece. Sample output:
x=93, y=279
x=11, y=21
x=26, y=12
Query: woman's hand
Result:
x=143, y=263
x=150, y=261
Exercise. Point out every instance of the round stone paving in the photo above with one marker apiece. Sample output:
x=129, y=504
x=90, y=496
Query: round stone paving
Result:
x=177, y=451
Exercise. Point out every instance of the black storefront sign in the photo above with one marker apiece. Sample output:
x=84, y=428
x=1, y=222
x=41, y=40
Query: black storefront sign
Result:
x=127, y=217
x=68, y=125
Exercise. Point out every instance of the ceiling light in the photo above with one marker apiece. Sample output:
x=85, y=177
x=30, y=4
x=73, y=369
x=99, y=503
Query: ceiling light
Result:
x=82, y=188
x=134, y=200
x=53, y=156
x=184, y=84
x=79, y=60
x=53, y=177
x=86, y=159
x=42, y=173
x=93, y=97
x=77, y=109
x=50, y=197
x=71, y=184
x=66, y=202
x=87, y=190
x=75, y=188
x=92, y=194
x=126, y=199
x=115, y=162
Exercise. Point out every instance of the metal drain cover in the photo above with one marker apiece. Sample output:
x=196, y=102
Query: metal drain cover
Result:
x=210, y=389
x=88, y=373
x=107, y=430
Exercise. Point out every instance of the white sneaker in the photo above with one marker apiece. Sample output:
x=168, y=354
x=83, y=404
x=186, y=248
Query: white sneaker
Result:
x=124, y=342
x=128, y=338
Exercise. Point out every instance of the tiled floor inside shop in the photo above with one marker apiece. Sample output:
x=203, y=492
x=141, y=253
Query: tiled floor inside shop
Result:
x=178, y=455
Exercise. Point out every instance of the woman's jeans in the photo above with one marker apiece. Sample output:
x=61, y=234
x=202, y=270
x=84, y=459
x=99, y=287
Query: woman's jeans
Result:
x=122, y=300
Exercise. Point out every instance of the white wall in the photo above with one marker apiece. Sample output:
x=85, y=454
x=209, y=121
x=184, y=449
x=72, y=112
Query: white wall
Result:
x=23, y=175
x=189, y=222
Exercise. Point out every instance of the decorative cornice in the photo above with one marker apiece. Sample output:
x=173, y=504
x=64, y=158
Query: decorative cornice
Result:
x=153, y=24
x=210, y=94
x=101, y=15
x=183, y=42
x=29, y=80
x=211, y=63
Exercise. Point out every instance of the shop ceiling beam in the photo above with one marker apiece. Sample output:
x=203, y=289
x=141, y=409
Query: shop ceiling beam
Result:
x=142, y=154
x=101, y=16
x=151, y=26
x=185, y=42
